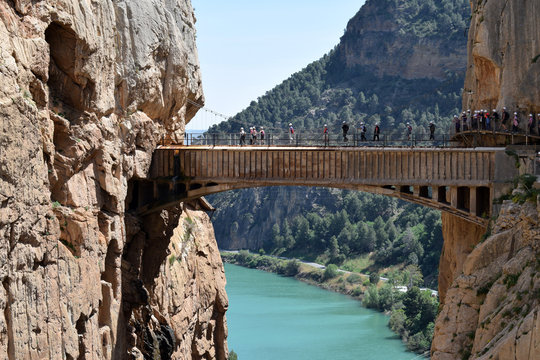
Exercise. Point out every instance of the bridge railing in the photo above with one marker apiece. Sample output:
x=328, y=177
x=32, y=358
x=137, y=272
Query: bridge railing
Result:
x=311, y=138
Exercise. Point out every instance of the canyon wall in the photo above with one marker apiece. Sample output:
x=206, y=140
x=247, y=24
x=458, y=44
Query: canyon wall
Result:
x=504, y=56
x=87, y=90
x=409, y=39
x=491, y=310
x=490, y=289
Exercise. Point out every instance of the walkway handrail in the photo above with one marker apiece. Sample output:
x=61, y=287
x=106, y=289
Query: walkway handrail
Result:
x=312, y=138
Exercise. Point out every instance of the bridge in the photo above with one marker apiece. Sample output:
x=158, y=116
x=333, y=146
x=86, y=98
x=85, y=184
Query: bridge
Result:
x=461, y=181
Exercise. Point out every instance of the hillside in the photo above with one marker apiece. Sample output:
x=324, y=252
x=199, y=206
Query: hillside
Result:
x=386, y=69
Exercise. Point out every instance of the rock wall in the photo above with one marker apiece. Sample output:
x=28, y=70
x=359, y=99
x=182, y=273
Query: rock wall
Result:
x=87, y=90
x=491, y=311
x=491, y=308
x=410, y=40
x=504, y=56
x=460, y=238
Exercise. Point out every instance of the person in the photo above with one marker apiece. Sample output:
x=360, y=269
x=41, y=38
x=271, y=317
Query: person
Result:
x=531, y=124
x=291, y=133
x=457, y=122
x=538, y=123
x=495, y=119
x=325, y=134
x=251, y=136
x=345, y=128
x=363, y=131
x=463, y=121
x=254, y=136
x=505, y=119
x=242, y=137
x=515, y=123
x=409, y=131
x=262, y=135
x=376, y=132
x=432, y=129
x=487, y=120
x=468, y=123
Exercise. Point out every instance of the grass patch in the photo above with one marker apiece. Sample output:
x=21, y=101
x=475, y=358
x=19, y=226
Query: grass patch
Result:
x=358, y=264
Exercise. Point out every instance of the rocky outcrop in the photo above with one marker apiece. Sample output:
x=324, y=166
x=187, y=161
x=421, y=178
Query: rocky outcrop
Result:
x=460, y=238
x=412, y=40
x=87, y=90
x=504, y=56
x=492, y=308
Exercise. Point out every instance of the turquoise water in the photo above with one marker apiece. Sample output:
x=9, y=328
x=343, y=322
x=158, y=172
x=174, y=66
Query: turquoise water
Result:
x=277, y=318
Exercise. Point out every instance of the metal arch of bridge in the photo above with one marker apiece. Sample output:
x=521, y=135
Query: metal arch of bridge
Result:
x=460, y=181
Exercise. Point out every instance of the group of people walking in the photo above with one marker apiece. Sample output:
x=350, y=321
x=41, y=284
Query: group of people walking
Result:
x=258, y=137
x=255, y=137
x=485, y=120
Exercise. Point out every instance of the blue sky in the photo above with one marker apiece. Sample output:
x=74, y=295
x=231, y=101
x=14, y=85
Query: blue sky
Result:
x=246, y=47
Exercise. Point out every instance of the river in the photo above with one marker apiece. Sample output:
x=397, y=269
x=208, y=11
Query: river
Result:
x=273, y=317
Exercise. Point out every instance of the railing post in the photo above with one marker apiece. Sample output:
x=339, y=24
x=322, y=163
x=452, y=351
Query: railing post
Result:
x=297, y=138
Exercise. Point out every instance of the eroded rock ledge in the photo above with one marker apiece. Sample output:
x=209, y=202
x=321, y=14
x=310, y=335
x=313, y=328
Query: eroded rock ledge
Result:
x=87, y=90
x=491, y=310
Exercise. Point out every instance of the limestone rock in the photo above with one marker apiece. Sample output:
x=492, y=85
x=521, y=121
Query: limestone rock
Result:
x=491, y=309
x=87, y=91
x=504, y=57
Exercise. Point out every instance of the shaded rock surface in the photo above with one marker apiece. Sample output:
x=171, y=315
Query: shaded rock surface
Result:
x=87, y=90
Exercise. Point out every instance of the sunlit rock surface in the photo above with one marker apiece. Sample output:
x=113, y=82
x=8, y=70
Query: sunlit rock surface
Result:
x=87, y=90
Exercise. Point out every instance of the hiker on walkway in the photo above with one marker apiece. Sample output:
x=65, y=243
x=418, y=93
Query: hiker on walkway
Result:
x=531, y=124
x=515, y=123
x=262, y=135
x=376, y=132
x=254, y=136
x=291, y=133
x=363, y=131
x=325, y=135
x=345, y=128
x=242, y=137
x=495, y=119
x=432, y=129
x=409, y=131
x=505, y=119
x=457, y=123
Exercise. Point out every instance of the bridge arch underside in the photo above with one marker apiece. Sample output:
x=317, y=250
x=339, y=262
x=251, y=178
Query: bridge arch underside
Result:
x=472, y=203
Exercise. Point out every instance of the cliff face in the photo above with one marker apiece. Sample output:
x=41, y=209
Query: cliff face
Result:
x=492, y=308
x=87, y=89
x=413, y=40
x=504, y=56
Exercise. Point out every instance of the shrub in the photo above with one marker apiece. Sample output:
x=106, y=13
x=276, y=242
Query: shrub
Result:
x=354, y=279
x=292, y=267
x=330, y=272
x=232, y=355
x=374, y=278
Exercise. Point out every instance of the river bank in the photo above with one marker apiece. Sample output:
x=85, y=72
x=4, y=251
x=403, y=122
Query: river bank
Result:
x=276, y=317
x=411, y=310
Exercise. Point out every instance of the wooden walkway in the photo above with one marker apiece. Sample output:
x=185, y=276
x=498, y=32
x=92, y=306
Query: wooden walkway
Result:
x=461, y=181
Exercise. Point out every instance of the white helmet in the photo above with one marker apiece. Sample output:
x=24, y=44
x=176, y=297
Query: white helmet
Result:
x=515, y=113
x=290, y=124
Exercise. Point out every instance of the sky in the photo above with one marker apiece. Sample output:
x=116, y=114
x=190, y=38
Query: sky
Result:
x=247, y=47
